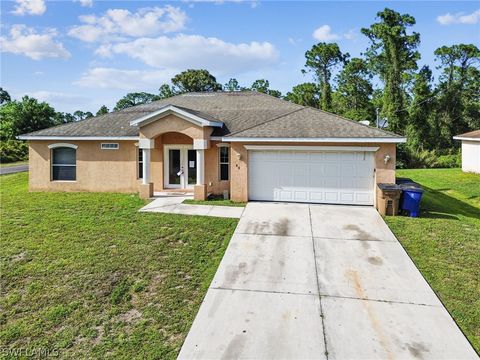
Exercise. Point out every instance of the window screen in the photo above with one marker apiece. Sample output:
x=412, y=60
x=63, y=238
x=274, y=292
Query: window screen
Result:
x=224, y=153
x=64, y=164
x=140, y=164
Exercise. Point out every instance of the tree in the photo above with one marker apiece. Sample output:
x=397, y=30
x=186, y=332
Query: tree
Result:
x=4, y=96
x=459, y=96
x=263, y=86
x=80, y=115
x=165, y=91
x=321, y=59
x=27, y=115
x=192, y=80
x=420, y=112
x=307, y=94
x=393, y=56
x=132, y=99
x=102, y=111
x=63, y=118
x=353, y=98
x=232, y=85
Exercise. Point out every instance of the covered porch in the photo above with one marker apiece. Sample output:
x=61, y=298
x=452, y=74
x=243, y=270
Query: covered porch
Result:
x=171, y=164
x=172, y=147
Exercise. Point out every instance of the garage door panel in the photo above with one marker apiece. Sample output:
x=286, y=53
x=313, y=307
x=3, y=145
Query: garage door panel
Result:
x=316, y=176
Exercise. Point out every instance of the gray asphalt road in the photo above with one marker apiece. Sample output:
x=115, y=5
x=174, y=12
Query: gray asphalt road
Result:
x=13, y=169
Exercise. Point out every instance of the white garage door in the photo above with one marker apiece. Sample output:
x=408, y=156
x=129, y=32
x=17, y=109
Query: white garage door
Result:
x=311, y=176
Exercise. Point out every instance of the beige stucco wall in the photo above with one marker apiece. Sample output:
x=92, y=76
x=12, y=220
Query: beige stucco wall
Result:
x=116, y=170
x=239, y=166
x=97, y=169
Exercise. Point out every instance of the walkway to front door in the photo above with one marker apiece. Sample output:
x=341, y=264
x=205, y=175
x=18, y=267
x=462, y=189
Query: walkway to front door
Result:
x=302, y=281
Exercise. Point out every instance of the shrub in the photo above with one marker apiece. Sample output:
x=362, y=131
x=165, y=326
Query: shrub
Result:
x=449, y=161
x=408, y=157
x=13, y=150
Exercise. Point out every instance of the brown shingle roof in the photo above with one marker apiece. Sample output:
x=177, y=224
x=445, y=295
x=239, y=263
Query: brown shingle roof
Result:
x=472, y=135
x=244, y=114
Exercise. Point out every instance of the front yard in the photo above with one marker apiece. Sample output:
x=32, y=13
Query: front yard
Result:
x=87, y=276
x=444, y=242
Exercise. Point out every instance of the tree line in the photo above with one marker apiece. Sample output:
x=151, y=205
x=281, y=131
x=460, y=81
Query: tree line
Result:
x=384, y=85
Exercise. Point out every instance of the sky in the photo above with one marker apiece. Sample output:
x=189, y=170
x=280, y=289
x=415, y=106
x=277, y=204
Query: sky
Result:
x=79, y=55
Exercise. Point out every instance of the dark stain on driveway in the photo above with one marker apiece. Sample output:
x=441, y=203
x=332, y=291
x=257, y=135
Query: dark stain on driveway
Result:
x=360, y=234
x=417, y=349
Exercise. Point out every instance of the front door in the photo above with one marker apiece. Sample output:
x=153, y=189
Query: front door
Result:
x=180, y=166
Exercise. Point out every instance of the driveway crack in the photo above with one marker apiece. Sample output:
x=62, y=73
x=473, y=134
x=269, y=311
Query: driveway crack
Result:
x=318, y=284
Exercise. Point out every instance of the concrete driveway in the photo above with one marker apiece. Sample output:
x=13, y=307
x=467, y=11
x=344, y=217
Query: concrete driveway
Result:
x=302, y=281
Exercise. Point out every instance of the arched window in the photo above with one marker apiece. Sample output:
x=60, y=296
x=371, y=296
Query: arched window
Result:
x=64, y=162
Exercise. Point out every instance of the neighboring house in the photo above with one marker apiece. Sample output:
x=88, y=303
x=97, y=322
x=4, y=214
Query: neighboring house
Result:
x=253, y=145
x=470, y=151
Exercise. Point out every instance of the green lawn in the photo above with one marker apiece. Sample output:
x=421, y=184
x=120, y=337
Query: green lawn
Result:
x=444, y=242
x=218, y=202
x=89, y=276
x=5, y=165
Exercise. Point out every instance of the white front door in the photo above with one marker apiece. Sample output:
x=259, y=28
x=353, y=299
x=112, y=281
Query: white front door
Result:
x=332, y=177
x=180, y=166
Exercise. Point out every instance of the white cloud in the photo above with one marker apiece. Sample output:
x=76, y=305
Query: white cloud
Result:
x=324, y=33
x=29, y=7
x=85, y=3
x=109, y=78
x=351, y=35
x=253, y=3
x=26, y=41
x=196, y=51
x=459, y=18
x=118, y=23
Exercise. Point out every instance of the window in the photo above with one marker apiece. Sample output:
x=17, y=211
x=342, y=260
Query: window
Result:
x=64, y=164
x=109, y=146
x=140, y=164
x=224, y=153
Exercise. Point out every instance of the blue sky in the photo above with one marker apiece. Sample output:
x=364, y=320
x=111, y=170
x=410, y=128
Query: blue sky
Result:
x=82, y=54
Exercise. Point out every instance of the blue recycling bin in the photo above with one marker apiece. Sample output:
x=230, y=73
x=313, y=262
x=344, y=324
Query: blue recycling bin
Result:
x=411, y=197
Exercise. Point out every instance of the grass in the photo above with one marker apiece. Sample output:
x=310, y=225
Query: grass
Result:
x=87, y=276
x=214, y=201
x=444, y=242
x=6, y=165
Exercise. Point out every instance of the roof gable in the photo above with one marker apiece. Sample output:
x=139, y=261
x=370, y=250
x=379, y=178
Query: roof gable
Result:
x=195, y=117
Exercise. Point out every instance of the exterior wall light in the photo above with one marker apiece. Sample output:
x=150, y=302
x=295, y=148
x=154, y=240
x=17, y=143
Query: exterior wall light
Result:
x=386, y=158
x=239, y=156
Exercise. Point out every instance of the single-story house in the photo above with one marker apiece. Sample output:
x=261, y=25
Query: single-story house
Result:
x=254, y=146
x=470, y=151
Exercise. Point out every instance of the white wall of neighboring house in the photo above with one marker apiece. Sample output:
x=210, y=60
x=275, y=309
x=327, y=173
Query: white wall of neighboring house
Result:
x=471, y=156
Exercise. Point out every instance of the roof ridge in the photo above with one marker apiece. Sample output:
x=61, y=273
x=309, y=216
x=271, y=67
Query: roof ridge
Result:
x=265, y=122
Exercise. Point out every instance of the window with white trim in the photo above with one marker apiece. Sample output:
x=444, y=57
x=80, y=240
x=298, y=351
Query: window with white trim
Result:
x=64, y=164
x=109, y=146
x=140, y=164
x=224, y=161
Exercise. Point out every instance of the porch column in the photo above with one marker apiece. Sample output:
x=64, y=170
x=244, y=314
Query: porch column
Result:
x=146, y=166
x=146, y=188
x=200, y=190
x=200, y=167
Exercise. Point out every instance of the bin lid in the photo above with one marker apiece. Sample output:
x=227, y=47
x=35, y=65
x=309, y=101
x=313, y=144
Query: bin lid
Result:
x=388, y=187
x=414, y=187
